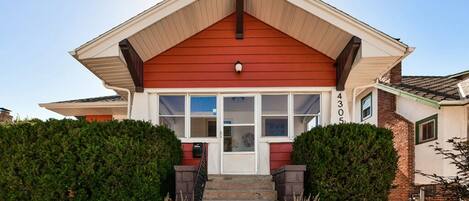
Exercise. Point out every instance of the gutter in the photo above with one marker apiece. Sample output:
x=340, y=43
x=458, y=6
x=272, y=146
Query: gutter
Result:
x=129, y=99
x=455, y=102
x=408, y=95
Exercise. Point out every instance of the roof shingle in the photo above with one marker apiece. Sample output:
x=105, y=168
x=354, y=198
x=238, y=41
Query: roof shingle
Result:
x=437, y=88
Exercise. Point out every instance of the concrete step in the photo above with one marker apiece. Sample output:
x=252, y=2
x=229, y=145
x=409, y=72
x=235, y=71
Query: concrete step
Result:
x=239, y=185
x=240, y=195
x=256, y=178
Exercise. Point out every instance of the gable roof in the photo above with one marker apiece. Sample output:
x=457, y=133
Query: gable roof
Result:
x=105, y=105
x=312, y=22
x=102, y=99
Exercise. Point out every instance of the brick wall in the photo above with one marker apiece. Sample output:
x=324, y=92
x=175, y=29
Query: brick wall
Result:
x=403, y=142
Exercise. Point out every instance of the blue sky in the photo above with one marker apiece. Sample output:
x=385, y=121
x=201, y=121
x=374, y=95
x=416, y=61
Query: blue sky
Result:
x=35, y=38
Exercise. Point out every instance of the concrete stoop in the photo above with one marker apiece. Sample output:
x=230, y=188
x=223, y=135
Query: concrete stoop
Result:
x=240, y=187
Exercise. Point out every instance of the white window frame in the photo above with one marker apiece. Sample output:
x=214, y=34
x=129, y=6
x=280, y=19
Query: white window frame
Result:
x=370, y=96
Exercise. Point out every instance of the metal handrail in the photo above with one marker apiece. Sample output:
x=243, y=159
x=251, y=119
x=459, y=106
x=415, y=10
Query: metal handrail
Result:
x=202, y=176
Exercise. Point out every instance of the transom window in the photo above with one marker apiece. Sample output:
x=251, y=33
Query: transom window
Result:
x=366, y=107
x=427, y=129
x=280, y=115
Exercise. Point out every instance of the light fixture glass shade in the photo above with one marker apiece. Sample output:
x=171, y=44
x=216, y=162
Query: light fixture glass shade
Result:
x=238, y=67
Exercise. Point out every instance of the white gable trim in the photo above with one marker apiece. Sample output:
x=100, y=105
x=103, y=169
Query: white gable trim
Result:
x=353, y=26
x=132, y=26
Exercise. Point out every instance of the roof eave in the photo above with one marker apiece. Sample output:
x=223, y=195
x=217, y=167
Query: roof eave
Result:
x=115, y=104
x=398, y=92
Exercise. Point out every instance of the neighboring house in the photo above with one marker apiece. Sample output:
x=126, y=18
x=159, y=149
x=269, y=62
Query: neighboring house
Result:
x=438, y=106
x=5, y=115
x=92, y=109
x=246, y=77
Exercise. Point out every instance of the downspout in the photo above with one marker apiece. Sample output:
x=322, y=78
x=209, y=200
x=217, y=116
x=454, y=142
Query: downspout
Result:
x=354, y=97
x=129, y=98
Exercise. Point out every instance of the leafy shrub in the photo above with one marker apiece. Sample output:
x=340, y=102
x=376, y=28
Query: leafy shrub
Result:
x=76, y=160
x=347, y=161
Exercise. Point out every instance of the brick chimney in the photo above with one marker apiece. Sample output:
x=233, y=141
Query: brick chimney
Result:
x=5, y=115
x=396, y=74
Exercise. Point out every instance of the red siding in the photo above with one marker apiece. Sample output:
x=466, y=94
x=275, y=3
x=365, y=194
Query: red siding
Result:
x=280, y=155
x=270, y=58
x=187, y=158
x=98, y=118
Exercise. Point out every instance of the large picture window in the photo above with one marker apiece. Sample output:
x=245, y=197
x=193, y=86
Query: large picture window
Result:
x=427, y=129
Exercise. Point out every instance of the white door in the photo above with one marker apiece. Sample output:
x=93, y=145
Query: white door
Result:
x=239, y=141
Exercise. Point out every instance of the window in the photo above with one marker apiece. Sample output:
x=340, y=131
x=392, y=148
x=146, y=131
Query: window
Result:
x=366, y=107
x=203, y=116
x=172, y=111
x=427, y=129
x=274, y=115
x=306, y=111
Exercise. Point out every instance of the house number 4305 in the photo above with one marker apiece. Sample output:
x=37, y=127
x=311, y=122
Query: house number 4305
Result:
x=340, y=106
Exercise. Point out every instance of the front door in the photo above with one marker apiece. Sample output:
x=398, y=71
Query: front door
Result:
x=239, y=135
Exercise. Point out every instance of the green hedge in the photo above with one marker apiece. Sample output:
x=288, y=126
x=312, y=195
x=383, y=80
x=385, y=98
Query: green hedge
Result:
x=76, y=160
x=347, y=161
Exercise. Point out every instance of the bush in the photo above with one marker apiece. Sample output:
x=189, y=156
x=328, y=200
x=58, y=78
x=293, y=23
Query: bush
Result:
x=347, y=161
x=76, y=160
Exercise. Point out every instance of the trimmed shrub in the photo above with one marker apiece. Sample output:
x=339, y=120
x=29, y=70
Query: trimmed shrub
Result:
x=76, y=160
x=347, y=161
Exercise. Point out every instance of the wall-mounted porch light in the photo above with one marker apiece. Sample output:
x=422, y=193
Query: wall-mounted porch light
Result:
x=238, y=67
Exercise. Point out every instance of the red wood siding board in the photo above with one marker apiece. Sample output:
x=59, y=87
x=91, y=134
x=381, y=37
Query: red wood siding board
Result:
x=270, y=57
x=280, y=155
x=242, y=83
x=230, y=59
x=98, y=118
x=191, y=76
x=205, y=68
x=274, y=50
x=187, y=158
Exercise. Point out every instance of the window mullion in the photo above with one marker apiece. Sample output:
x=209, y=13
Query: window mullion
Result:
x=187, y=113
x=290, y=116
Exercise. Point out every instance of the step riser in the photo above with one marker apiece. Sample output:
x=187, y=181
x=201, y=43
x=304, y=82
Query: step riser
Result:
x=239, y=186
x=216, y=195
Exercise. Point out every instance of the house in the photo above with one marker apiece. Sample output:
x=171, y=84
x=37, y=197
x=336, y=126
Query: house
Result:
x=246, y=77
x=438, y=107
x=5, y=115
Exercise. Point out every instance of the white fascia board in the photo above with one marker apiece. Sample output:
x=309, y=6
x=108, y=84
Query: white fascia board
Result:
x=119, y=104
x=378, y=39
x=112, y=37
